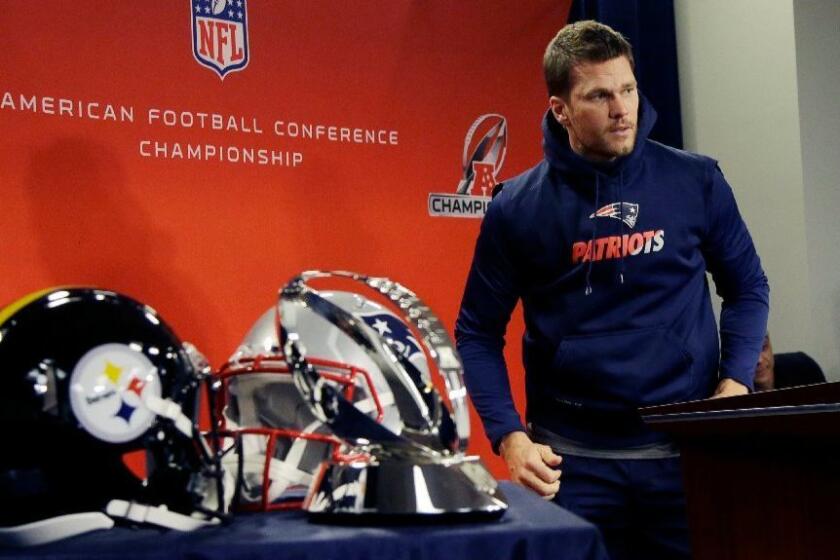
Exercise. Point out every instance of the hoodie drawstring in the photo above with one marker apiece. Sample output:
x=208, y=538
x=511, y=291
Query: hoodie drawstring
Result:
x=621, y=231
x=588, y=289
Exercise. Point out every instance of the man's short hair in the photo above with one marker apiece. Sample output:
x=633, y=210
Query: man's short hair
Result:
x=582, y=41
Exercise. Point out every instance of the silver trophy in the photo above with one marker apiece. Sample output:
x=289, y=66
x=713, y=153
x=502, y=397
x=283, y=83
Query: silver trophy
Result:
x=413, y=468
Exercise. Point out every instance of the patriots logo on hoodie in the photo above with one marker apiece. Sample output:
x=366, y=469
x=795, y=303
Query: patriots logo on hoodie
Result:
x=628, y=212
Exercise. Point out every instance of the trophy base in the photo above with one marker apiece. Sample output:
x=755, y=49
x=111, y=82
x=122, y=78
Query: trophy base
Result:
x=398, y=490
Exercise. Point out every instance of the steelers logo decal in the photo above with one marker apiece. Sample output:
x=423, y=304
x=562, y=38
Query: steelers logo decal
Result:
x=107, y=388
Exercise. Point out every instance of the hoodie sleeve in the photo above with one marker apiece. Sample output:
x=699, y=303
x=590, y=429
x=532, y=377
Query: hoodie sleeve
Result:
x=489, y=298
x=739, y=280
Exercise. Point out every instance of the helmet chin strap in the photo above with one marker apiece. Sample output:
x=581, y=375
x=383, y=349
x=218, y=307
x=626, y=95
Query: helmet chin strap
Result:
x=53, y=529
x=156, y=515
x=171, y=410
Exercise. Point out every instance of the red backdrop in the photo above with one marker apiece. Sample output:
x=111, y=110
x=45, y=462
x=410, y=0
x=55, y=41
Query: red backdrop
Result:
x=85, y=200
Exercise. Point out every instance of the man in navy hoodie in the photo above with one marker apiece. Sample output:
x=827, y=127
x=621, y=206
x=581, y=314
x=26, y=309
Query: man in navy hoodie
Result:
x=607, y=243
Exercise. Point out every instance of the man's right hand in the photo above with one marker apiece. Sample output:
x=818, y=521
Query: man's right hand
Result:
x=530, y=464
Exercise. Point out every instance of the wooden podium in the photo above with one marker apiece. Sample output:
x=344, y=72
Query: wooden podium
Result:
x=761, y=472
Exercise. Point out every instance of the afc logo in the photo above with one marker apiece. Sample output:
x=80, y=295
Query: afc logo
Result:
x=220, y=34
x=484, y=153
x=485, y=147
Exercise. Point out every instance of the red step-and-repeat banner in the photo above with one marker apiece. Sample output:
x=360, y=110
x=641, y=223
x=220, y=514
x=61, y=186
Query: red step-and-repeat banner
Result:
x=196, y=154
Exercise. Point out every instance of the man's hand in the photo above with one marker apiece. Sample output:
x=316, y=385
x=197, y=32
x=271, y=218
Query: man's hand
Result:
x=729, y=388
x=530, y=464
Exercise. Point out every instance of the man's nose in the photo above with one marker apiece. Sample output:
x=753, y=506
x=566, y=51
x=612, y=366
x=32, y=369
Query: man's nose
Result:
x=618, y=107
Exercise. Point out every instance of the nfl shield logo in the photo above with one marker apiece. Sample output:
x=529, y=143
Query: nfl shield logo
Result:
x=220, y=34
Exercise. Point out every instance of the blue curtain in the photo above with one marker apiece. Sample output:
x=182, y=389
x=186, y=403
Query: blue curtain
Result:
x=649, y=26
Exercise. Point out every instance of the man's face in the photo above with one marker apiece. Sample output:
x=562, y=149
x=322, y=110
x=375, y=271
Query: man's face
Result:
x=601, y=110
x=764, y=369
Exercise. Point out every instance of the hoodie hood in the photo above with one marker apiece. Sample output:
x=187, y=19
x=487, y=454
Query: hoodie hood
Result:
x=559, y=154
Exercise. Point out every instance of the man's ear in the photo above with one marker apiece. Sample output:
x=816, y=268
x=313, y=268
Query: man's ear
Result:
x=558, y=108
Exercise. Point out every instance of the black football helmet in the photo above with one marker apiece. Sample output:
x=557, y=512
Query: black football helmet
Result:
x=88, y=377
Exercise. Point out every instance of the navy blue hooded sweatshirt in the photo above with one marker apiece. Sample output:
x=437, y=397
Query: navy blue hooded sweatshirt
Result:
x=610, y=263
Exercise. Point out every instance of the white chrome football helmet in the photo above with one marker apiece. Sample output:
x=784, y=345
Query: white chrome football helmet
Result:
x=274, y=441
